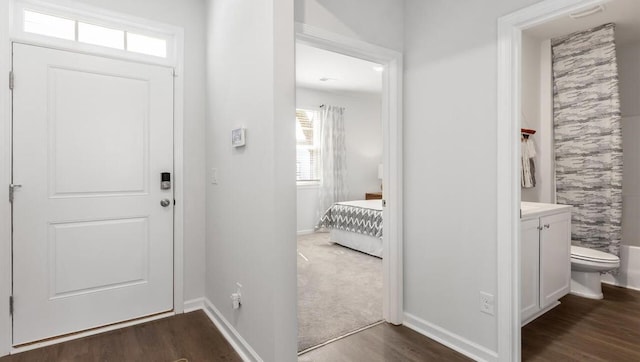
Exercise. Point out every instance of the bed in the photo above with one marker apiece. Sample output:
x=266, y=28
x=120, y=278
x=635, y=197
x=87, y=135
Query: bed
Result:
x=355, y=224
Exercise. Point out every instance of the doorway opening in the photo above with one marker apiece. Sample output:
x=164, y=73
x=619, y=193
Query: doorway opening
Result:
x=339, y=174
x=378, y=166
x=536, y=44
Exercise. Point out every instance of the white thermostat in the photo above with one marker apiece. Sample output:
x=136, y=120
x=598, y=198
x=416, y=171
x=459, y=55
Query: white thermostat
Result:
x=237, y=137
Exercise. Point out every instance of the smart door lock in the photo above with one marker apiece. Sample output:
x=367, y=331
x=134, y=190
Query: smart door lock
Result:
x=165, y=181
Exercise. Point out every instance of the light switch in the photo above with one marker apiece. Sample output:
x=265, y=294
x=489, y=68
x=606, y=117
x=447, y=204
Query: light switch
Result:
x=214, y=176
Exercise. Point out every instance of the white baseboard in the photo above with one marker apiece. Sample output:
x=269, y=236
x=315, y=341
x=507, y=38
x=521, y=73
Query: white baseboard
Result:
x=451, y=340
x=193, y=305
x=629, y=273
x=306, y=232
x=232, y=336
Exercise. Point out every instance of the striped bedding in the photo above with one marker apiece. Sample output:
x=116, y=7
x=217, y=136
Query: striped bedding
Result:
x=361, y=216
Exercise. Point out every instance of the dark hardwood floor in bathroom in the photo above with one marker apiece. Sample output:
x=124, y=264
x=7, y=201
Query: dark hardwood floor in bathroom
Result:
x=583, y=329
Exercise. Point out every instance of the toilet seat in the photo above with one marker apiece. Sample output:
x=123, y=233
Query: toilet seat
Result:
x=591, y=255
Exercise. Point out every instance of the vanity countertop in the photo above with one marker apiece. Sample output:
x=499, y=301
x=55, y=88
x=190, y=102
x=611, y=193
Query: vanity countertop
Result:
x=530, y=210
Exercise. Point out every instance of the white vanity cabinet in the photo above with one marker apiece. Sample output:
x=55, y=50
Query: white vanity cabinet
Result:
x=545, y=257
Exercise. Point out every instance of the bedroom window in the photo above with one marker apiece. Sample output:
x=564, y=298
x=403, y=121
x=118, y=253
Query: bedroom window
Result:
x=307, y=146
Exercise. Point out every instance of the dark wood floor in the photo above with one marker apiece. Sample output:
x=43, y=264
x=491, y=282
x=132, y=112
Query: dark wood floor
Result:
x=192, y=336
x=383, y=342
x=577, y=330
x=583, y=329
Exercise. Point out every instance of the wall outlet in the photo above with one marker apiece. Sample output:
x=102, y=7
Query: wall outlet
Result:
x=236, y=298
x=486, y=303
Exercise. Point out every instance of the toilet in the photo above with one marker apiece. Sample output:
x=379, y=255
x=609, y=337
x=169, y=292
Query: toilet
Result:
x=586, y=266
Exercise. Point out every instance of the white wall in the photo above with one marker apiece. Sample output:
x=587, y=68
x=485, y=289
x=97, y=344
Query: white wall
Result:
x=251, y=211
x=629, y=75
x=363, y=136
x=450, y=164
x=531, y=104
x=378, y=22
x=537, y=111
x=189, y=15
x=307, y=208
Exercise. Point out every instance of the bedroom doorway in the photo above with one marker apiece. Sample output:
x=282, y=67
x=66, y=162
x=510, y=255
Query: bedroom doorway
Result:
x=339, y=152
x=349, y=277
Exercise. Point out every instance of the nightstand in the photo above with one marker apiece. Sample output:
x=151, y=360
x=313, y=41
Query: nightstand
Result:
x=373, y=196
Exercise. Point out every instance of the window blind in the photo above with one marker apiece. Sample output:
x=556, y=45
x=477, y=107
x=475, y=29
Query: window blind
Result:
x=307, y=145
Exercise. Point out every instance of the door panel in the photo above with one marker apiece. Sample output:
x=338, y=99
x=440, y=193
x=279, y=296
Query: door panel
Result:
x=97, y=246
x=529, y=268
x=91, y=245
x=115, y=114
x=555, y=258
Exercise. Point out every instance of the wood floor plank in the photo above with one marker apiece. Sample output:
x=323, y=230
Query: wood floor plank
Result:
x=582, y=329
x=191, y=335
x=383, y=342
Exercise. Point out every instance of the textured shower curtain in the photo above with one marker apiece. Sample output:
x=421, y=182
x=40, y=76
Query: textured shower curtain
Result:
x=588, y=136
x=333, y=153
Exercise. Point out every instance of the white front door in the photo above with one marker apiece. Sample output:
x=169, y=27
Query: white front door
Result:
x=92, y=244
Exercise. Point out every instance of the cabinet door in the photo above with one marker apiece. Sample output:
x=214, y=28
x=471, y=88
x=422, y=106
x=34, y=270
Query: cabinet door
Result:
x=555, y=258
x=529, y=268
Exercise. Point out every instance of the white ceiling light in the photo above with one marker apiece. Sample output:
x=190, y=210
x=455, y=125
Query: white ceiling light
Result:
x=585, y=13
x=378, y=68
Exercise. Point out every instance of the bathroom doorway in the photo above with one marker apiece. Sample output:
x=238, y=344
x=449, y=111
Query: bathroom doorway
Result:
x=526, y=101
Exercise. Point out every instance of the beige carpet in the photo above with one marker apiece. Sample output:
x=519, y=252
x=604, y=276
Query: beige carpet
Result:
x=339, y=290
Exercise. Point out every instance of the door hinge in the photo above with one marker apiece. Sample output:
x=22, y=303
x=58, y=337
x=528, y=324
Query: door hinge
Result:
x=11, y=305
x=12, y=189
x=11, y=80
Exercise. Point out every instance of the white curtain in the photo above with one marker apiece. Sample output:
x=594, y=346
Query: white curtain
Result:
x=333, y=184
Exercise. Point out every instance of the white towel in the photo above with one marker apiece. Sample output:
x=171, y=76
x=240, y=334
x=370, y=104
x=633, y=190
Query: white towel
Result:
x=528, y=179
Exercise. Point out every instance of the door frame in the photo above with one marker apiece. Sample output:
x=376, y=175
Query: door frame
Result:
x=7, y=38
x=392, y=260
x=510, y=28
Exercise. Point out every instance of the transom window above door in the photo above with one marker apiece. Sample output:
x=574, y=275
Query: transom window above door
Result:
x=93, y=32
x=59, y=27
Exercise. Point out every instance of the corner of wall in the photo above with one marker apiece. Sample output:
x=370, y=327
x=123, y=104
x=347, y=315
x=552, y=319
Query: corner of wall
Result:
x=239, y=344
x=5, y=179
x=450, y=339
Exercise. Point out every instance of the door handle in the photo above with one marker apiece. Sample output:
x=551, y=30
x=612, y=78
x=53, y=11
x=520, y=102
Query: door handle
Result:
x=165, y=202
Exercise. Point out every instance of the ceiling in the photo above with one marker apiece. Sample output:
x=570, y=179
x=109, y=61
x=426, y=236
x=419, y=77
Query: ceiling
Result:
x=624, y=13
x=339, y=72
